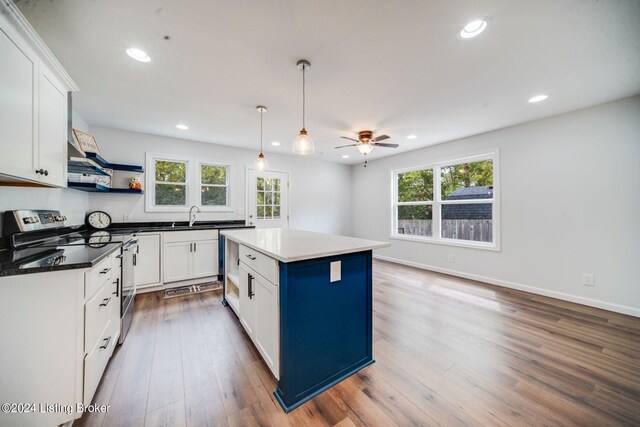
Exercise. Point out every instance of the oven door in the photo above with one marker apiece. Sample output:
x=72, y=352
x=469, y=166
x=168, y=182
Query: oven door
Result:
x=128, y=290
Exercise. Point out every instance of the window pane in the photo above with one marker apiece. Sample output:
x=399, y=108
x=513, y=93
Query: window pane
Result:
x=467, y=181
x=214, y=196
x=469, y=221
x=276, y=184
x=268, y=198
x=211, y=174
x=276, y=200
x=167, y=171
x=260, y=212
x=267, y=184
x=267, y=212
x=260, y=199
x=276, y=212
x=416, y=186
x=260, y=182
x=171, y=195
x=415, y=220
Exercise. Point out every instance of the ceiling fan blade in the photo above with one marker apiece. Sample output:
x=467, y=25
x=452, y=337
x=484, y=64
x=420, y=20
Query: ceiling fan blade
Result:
x=377, y=144
x=350, y=139
x=343, y=146
x=381, y=138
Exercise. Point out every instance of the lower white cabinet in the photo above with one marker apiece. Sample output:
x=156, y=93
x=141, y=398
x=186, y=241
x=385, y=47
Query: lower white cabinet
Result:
x=259, y=314
x=190, y=254
x=148, y=260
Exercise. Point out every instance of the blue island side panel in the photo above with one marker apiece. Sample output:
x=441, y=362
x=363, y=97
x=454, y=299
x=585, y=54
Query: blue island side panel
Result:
x=325, y=328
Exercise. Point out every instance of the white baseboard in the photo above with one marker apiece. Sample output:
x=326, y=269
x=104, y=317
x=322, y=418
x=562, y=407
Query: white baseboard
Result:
x=623, y=309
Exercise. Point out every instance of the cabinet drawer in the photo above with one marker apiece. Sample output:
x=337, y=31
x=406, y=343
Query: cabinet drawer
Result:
x=190, y=236
x=100, y=273
x=262, y=264
x=96, y=361
x=101, y=309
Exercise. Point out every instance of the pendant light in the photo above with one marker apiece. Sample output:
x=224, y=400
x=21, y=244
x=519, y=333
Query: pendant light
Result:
x=261, y=163
x=303, y=144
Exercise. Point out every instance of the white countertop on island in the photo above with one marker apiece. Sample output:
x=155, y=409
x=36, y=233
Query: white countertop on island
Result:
x=297, y=245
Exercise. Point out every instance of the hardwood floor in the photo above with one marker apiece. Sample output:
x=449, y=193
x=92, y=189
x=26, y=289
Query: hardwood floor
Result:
x=448, y=352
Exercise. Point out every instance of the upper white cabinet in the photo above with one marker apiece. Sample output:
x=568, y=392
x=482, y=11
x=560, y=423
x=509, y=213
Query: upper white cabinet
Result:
x=33, y=102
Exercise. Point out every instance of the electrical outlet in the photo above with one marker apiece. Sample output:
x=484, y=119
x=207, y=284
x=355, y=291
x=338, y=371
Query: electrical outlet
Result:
x=240, y=211
x=588, y=279
x=128, y=217
x=452, y=259
x=336, y=271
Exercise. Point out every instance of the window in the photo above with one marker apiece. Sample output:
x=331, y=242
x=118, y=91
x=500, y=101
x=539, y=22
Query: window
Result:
x=214, y=185
x=449, y=202
x=175, y=183
x=268, y=198
x=170, y=182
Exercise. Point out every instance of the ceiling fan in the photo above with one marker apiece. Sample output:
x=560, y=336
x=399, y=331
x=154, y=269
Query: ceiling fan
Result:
x=366, y=142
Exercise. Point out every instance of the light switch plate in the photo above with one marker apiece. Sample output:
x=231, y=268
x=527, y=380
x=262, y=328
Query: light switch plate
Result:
x=336, y=271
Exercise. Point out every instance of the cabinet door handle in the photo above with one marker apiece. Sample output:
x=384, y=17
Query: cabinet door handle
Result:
x=46, y=173
x=117, y=283
x=250, y=293
x=195, y=247
x=106, y=343
x=190, y=247
x=252, y=258
x=105, y=302
x=105, y=271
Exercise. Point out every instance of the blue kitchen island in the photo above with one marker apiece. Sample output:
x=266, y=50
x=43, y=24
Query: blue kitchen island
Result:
x=305, y=299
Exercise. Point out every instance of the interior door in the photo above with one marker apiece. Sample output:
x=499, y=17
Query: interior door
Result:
x=268, y=199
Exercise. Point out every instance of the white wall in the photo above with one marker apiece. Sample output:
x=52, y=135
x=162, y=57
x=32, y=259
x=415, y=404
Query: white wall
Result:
x=71, y=202
x=320, y=193
x=570, y=205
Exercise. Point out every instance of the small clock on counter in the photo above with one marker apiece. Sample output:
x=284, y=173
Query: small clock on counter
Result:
x=99, y=220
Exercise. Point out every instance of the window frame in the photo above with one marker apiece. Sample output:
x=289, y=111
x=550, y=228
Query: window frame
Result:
x=214, y=208
x=150, y=183
x=437, y=202
x=193, y=184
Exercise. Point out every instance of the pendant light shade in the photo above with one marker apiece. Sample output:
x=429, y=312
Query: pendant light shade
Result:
x=261, y=163
x=303, y=144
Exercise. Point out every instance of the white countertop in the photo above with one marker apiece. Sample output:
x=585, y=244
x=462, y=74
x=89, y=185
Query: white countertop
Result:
x=296, y=245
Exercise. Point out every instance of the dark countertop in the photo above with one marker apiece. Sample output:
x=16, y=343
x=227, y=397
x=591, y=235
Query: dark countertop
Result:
x=55, y=258
x=148, y=227
x=45, y=258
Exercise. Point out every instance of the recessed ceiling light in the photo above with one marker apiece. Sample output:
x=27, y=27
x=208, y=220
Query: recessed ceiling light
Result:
x=138, y=55
x=538, y=98
x=412, y=136
x=345, y=156
x=182, y=127
x=473, y=28
x=276, y=143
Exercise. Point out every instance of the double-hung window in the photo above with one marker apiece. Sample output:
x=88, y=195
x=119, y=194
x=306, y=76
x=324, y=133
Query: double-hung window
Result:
x=176, y=183
x=452, y=202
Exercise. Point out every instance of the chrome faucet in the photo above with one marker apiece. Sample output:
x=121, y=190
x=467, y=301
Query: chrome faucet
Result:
x=192, y=215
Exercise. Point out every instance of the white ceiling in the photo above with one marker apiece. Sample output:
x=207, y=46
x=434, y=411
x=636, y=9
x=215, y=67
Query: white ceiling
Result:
x=396, y=67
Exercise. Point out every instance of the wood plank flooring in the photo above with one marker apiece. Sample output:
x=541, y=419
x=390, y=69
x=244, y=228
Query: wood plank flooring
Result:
x=448, y=352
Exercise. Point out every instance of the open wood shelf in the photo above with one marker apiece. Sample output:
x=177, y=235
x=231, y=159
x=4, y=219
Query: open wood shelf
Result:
x=97, y=188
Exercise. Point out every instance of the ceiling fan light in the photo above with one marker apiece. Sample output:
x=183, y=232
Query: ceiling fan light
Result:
x=365, y=148
x=303, y=144
x=261, y=163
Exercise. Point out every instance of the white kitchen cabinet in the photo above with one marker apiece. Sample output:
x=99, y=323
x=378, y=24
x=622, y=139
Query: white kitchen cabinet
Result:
x=17, y=103
x=52, y=130
x=148, y=260
x=177, y=261
x=34, y=87
x=247, y=307
x=205, y=258
x=267, y=326
x=259, y=307
x=190, y=254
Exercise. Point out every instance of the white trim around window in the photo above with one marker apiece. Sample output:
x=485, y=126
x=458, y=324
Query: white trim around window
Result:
x=437, y=203
x=193, y=184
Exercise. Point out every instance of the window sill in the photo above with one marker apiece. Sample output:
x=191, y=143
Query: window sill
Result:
x=216, y=209
x=449, y=242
